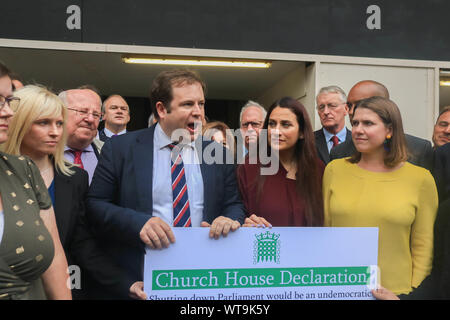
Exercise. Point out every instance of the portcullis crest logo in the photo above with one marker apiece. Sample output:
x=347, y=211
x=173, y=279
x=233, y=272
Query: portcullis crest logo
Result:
x=266, y=248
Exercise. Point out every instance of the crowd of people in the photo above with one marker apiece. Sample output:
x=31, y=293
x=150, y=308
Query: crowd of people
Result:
x=72, y=194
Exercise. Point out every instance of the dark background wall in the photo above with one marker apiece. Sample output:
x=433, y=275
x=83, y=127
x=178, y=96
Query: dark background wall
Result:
x=222, y=110
x=410, y=29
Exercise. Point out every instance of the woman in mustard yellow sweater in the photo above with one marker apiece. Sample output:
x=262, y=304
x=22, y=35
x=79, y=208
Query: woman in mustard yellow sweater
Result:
x=378, y=188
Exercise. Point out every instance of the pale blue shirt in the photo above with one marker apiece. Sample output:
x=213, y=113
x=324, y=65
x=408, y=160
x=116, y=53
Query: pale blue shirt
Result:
x=2, y=225
x=109, y=133
x=162, y=179
x=88, y=158
x=341, y=136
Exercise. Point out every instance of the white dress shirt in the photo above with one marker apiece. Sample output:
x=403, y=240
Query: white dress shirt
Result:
x=162, y=179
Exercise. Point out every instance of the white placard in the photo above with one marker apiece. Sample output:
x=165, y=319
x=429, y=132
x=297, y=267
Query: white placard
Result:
x=265, y=264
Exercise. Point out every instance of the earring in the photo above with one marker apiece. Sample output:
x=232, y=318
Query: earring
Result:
x=387, y=142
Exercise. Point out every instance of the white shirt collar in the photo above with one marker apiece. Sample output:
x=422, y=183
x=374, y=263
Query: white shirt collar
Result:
x=162, y=140
x=110, y=133
x=341, y=134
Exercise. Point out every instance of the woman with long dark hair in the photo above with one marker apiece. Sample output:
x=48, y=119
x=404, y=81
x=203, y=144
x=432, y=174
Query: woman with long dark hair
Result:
x=292, y=196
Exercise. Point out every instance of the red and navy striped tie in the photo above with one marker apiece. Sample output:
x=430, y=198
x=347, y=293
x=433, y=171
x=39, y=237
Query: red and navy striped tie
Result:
x=181, y=211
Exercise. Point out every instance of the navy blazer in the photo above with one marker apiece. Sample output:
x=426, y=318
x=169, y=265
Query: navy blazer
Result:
x=441, y=171
x=321, y=144
x=102, y=135
x=119, y=200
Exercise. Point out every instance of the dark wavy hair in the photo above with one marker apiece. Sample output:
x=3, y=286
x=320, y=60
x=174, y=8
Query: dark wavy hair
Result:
x=308, y=176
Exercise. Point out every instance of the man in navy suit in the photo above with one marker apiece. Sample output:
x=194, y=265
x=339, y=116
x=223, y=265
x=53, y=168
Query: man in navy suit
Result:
x=332, y=109
x=116, y=115
x=131, y=201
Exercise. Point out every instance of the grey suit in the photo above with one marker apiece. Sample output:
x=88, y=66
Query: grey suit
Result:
x=421, y=151
x=321, y=144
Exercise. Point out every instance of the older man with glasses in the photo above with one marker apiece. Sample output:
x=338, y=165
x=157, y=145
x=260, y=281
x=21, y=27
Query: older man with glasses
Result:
x=332, y=109
x=251, y=121
x=83, y=117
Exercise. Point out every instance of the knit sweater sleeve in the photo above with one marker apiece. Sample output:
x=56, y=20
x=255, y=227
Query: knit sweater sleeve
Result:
x=422, y=230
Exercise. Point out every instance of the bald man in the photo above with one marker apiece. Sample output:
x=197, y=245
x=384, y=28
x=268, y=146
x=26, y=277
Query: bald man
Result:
x=421, y=151
x=83, y=117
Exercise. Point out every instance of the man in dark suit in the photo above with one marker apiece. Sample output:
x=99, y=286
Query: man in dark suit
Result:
x=98, y=277
x=441, y=131
x=332, y=109
x=441, y=171
x=116, y=115
x=134, y=199
x=421, y=151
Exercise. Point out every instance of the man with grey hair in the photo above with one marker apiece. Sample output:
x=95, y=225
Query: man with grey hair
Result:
x=116, y=114
x=332, y=109
x=251, y=120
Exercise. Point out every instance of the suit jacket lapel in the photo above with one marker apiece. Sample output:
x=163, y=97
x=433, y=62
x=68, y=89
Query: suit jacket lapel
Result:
x=321, y=145
x=349, y=135
x=63, y=204
x=208, y=179
x=97, y=154
x=143, y=162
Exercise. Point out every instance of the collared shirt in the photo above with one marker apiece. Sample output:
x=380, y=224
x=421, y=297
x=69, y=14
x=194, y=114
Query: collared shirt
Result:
x=162, y=179
x=341, y=136
x=109, y=133
x=88, y=158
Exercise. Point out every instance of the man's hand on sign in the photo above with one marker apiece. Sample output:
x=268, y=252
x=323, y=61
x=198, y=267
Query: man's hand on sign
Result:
x=221, y=226
x=157, y=234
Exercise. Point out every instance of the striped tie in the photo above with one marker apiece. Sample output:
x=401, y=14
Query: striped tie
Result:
x=181, y=211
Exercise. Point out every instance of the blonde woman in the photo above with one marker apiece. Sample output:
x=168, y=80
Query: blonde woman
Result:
x=378, y=188
x=32, y=260
x=37, y=131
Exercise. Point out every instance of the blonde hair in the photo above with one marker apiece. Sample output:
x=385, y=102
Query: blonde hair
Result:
x=37, y=102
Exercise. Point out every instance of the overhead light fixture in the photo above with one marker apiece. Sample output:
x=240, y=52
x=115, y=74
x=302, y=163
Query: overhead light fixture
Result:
x=445, y=83
x=196, y=61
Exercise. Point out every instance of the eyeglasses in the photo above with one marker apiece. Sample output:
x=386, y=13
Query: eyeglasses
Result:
x=13, y=102
x=331, y=106
x=85, y=113
x=255, y=125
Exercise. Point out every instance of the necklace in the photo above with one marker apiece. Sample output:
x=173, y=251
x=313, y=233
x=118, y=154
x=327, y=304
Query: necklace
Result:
x=45, y=170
